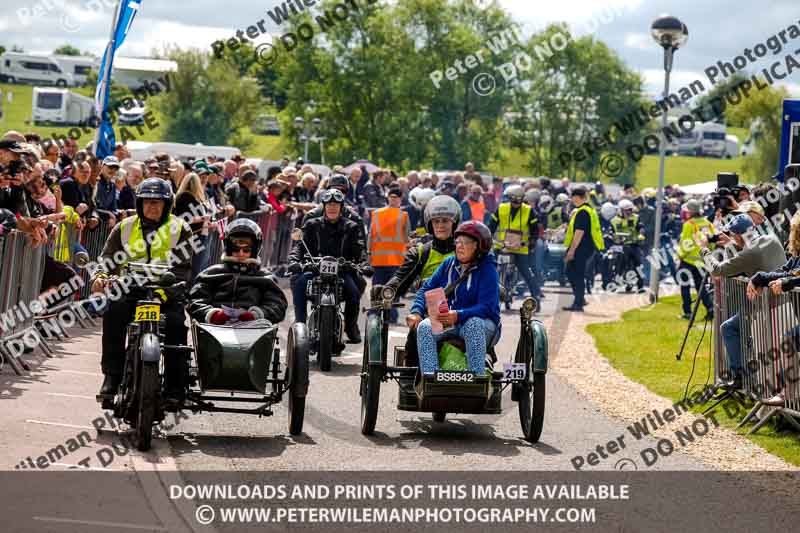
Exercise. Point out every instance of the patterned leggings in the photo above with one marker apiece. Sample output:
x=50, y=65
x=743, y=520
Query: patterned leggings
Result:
x=477, y=332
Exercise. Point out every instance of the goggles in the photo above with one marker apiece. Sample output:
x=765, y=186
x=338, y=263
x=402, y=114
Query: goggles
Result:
x=332, y=195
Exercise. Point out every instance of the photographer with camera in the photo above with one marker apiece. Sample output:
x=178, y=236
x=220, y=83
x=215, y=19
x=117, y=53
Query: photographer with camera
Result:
x=750, y=253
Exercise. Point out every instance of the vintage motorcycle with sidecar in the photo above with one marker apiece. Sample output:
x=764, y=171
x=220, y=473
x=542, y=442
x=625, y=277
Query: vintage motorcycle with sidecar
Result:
x=241, y=363
x=454, y=391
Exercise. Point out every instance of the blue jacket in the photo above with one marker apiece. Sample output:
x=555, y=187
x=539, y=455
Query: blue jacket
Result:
x=476, y=296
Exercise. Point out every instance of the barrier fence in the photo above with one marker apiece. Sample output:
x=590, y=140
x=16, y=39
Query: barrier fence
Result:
x=22, y=268
x=769, y=327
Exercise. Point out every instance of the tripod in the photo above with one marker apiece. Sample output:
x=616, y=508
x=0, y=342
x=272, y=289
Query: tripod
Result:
x=700, y=290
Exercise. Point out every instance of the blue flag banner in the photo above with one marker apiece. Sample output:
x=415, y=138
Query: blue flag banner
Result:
x=124, y=15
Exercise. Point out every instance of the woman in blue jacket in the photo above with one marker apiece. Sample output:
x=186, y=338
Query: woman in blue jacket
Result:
x=473, y=296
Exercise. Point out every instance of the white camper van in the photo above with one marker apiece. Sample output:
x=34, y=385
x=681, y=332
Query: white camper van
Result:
x=78, y=66
x=35, y=69
x=59, y=106
x=713, y=139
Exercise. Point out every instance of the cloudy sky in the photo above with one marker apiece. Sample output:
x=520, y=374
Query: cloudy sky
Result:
x=718, y=29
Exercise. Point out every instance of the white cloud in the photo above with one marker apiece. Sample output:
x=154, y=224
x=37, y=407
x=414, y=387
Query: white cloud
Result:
x=639, y=41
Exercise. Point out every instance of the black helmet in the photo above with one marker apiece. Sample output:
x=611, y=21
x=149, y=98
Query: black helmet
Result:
x=154, y=189
x=247, y=229
x=338, y=181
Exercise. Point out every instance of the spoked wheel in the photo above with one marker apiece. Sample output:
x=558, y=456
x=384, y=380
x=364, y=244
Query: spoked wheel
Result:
x=370, y=392
x=149, y=396
x=297, y=367
x=327, y=321
x=439, y=416
x=531, y=407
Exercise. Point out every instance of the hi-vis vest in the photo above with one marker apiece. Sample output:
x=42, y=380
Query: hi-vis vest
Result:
x=433, y=260
x=627, y=225
x=554, y=220
x=597, y=234
x=67, y=236
x=477, y=209
x=387, y=241
x=165, y=239
x=688, y=249
x=519, y=223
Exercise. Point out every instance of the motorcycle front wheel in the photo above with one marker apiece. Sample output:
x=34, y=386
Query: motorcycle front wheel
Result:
x=326, y=337
x=149, y=390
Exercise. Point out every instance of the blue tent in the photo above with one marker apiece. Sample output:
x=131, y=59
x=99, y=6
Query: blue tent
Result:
x=790, y=152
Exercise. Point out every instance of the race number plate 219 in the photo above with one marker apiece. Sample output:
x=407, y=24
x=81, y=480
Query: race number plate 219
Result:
x=514, y=370
x=329, y=268
x=147, y=313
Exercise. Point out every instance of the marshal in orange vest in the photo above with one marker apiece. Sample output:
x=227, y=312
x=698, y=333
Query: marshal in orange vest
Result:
x=388, y=237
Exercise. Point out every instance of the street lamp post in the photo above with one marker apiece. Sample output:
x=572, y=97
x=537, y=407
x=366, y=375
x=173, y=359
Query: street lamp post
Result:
x=670, y=33
x=312, y=135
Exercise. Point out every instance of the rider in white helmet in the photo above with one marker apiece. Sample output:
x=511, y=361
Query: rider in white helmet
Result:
x=627, y=222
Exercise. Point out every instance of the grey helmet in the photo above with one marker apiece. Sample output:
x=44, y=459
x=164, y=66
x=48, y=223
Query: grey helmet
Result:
x=419, y=197
x=545, y=203
x=608, y=211
x=515, y=193
x=442, y=206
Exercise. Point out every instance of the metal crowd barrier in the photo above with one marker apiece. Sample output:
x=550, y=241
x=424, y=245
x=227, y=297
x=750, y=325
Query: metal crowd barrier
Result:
x=277, y=232
x=770, y=341
x=21, y=272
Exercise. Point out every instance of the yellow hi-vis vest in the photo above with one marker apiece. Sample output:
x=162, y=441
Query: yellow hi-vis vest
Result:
x=520, y=223
x=554, y=218
x=66, y=236
x=387, y=237
x=627, y=225
x=688, y=249
x=165, y=239
x=597, y=234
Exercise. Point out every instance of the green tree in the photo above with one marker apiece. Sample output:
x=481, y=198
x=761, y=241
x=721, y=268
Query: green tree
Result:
x=209, y=101
x=67, y=50
x=370, y=78
x=719, y=91
x=570, y=96
x=767, y=106
x=2, y=49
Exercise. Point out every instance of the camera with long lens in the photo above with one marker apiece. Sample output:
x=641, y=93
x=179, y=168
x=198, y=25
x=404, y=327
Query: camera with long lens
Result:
x=723, y=198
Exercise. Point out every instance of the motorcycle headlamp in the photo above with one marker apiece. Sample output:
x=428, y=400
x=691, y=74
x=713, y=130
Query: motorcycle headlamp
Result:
x=387, y=293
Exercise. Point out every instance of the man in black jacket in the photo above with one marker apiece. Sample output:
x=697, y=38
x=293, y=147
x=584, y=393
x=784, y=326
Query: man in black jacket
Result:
x=239, y=282
x=340, y=183
x=336, y=236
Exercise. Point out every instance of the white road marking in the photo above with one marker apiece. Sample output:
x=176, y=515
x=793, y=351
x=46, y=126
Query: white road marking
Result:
x=43, y=422
x=71, y=396
x=98, y=523
x=78, y=372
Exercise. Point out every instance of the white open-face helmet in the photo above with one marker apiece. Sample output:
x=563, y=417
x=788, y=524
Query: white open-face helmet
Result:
x=420, y=197
x=562, y=198
x=608, y=210
x=442, y=207
x=625, y=205
x=545, y=203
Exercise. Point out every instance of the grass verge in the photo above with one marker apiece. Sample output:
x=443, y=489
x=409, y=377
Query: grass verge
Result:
x=643, y=345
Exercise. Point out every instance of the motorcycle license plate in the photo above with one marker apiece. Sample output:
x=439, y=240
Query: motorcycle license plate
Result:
x=147, y=313
x=330, y=268
x=454, y=377
x=515, y=371
x=503, y=259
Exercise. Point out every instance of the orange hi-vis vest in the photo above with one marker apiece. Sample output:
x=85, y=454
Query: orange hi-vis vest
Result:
x=477, y=209
x=387, y=243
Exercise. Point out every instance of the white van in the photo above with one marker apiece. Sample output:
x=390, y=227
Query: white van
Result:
x=59, y=106
x=756, y=132
x=35, y=69
x=713, y=139
x=78, y=66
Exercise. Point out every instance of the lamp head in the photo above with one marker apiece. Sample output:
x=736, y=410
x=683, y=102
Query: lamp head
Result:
x=669, y=32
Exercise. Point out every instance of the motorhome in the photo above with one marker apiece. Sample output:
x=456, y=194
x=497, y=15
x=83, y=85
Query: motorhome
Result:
x=60, y=106
x=35, y=69
x=78, y=66
x=141, y=150
x=731, y=146
x=712, y=137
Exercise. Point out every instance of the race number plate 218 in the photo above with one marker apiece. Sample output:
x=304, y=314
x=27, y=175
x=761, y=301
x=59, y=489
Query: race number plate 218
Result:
x=329, y=268
x=514, y=370
x=147, y=313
